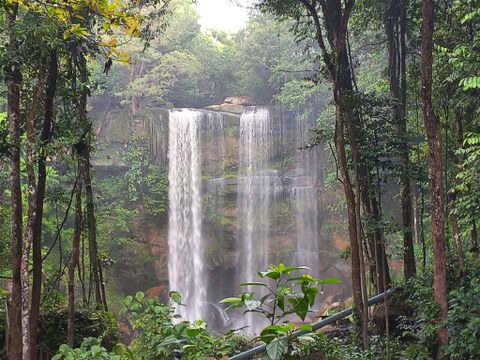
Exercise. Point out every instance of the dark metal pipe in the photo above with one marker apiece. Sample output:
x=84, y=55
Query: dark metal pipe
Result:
x=315, y=326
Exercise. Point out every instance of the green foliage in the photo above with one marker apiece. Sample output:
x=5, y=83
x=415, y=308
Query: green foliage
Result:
x=468, y=182
x=91, y=349
x=463, y=320
x=281, y=296
x=156, y=198
x=420, y=328
x=161, y=335
x=137, y=160
x=99, y=324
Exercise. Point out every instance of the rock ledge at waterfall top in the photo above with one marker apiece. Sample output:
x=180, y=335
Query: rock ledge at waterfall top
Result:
x=233, y=105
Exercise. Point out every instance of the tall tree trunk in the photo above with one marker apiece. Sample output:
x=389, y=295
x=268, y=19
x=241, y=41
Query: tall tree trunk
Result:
x=92, y=233
x=383, y=273
x=75, y=255
x=432, y=125
x=452, y=198
x=395, y=26
x=32, y=217
x=45, y=137
x=351, y=213
x=13, y=113
x=334, y=17
x=86, y=141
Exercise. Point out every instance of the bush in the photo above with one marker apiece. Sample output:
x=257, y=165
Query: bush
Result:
x=90, y=349
x=95, y=323
x=161, y=335
x=463, y=321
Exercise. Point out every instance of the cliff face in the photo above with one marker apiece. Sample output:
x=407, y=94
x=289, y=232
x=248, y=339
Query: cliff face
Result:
x=299, y=224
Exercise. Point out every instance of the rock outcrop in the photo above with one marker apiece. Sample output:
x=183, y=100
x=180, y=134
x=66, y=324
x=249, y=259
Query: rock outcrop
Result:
x=239, y=100
x=233, y=105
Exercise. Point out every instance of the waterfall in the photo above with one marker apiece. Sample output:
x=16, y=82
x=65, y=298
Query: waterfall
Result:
x=254, y=194
x=188, y=131
x=225, y=226
x=304, y=192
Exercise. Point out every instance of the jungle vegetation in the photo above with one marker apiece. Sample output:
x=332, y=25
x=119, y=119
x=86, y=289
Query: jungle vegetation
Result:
x=402, y=83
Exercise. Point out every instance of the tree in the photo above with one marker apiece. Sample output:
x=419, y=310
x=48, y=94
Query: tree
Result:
x=330, y=27
x=432, y=125
x=396, y=31
x=14, y=76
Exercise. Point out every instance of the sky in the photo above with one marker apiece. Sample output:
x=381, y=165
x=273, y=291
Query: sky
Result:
x=221, y=14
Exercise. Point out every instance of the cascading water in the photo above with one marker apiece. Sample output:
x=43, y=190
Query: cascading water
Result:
x=304, y=193
x=254, y=190
x=254, y=195
x=236, y=204
x=186, y=267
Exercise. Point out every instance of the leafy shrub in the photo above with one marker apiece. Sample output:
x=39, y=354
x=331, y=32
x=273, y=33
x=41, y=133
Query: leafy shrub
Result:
x=285, y=295
x=95, y=323
x=161, y=335
x=463, y=321
x=419, y=329
x=90, y=349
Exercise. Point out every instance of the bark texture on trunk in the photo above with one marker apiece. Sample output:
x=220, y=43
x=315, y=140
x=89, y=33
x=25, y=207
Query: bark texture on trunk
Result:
x=14, y=337
x=335, y=19
x=32, y=201
x=432, y=125
x=45, y=137
x=86, y=142
x=75, y=257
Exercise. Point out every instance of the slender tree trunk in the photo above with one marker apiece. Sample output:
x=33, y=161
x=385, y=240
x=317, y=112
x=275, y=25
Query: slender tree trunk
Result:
x=395, y=25
x=452, y=199
x=75, y=256
x=32, y=201
x=383, y=273
x=95, y=265
x=334, y=17
x=45, y=137
x=432, y=125
x=351, y=213
x=13, y=113
x=92, y=233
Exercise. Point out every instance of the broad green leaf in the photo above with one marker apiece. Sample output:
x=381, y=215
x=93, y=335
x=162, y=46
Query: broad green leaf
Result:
x=300, y=306
x=253, y=283
x=311, y=294
x=122, y=350
x=139, y=296
x=330, y=281
x=136, y=307
x=230, y=300
x=270, y=274
x=276, y=348
x=193, y=332
x=271, y=332
x=289, y=269
x=176, y=297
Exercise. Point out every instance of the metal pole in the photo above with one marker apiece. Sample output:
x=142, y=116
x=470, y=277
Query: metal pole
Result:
x=331, y=319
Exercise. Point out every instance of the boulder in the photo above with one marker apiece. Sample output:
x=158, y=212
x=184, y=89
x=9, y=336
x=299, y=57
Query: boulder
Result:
x=239, y=100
